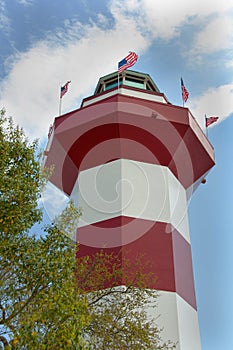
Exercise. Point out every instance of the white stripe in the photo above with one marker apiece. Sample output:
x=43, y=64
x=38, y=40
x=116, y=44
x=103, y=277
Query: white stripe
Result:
x=178, y=320
x=127, y=92
x=130, y=188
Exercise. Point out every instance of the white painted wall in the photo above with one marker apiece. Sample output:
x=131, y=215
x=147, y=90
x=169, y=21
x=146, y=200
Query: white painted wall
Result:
x=178, y=321
x=127, y=92
x=134, y=189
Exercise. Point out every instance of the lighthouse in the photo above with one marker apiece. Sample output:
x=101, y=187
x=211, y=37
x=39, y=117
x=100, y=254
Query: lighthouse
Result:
x=131, y=160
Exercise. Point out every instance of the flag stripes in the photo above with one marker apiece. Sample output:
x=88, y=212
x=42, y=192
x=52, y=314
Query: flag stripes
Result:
x=127, y=62
x=210, y=120
x=64, y=89
x=185, y=93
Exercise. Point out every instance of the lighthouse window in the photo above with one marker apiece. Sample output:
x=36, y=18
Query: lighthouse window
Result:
x=135, y=84
x=111, y=84
x=127, y=78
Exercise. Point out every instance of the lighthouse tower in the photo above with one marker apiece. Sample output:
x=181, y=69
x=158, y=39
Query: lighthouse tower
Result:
x=131, y=160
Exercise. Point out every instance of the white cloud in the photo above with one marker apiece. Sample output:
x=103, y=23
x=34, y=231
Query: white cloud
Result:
x=83, y=53
x=211, y=22
x=214, y=102
x=79, y=53
x=164, y=18
x=216, y=36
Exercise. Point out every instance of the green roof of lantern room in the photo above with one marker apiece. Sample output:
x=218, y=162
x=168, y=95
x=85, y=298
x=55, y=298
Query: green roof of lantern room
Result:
x=126, y=78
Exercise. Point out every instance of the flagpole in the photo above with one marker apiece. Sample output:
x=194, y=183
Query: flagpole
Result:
x=60, y=106
x=206, y=127
x=118, y=81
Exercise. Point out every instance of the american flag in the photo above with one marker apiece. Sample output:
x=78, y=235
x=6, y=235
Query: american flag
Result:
x=64, y=89
x=185, y=93
x=210, y=120
x=127, y=62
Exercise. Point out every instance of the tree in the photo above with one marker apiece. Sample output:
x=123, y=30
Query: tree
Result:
x=20, y=179
x=49, y=298
x=39, y=298
x=40, y=301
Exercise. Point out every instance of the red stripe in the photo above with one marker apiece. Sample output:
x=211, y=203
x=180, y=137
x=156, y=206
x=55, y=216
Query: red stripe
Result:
x=168, y=254
x=185, y=93
x=81, y=142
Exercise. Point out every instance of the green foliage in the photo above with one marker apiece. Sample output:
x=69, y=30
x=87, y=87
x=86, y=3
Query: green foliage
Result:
x=21, y=182
x=49, y=298
x=40, y=301
x=40, y=304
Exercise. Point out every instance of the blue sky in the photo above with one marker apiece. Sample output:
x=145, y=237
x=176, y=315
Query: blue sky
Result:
x=45, y=43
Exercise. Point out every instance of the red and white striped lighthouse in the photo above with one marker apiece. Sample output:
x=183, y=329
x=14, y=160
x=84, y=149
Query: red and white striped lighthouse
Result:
x=131, y=160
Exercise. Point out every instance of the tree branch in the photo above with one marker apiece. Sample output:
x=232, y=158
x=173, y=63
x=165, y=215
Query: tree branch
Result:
x=30, y=298
x=111, y=291
x=3, y=312
x=4, y=341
